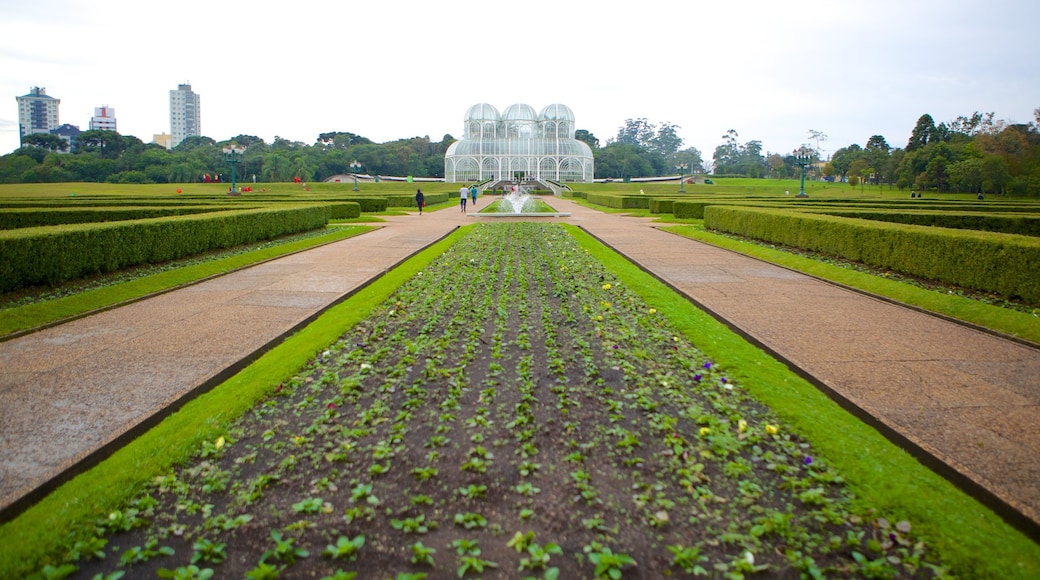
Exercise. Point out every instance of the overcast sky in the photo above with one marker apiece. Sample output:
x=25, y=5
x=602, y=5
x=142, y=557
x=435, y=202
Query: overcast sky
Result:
x=386, y=69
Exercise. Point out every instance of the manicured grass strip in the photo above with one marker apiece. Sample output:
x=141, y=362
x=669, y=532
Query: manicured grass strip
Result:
x=42, y=313
x=36, y=536
x=969, y=537
x=1004, y=320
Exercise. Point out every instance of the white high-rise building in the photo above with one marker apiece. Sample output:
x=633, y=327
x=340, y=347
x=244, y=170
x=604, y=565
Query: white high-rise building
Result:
x=37, y=112
x=104, y=119
x=185, y=115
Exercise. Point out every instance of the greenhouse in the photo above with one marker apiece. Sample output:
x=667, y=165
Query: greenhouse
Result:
x=518, y=145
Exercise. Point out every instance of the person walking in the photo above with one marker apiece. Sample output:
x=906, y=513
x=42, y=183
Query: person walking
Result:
x=420, y=200
x=463, y=194
x=473, y=195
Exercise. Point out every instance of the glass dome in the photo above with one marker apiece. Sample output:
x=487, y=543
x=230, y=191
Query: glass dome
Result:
x=482, y=112
x=538, y=146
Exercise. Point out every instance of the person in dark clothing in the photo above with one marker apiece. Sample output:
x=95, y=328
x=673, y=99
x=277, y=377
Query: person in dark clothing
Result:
x=420, y=200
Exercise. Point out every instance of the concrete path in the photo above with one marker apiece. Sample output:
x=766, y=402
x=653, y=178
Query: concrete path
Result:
x=965, y=401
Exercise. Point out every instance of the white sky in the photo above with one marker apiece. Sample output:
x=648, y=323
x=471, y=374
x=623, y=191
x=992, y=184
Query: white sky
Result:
x=386, y=69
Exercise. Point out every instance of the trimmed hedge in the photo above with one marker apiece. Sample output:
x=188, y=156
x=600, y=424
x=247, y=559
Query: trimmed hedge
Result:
x=344, y=210
x=49, y=255
x=409, y=199
x=1007, y=265
x=1025, y=225
x=619, y=201
x=35, y=217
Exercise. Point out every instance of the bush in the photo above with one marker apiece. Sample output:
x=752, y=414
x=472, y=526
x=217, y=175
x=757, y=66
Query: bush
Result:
x=50, y=255
x=990, y=262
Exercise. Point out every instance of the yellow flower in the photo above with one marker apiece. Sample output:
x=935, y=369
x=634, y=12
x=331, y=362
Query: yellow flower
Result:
x=742, y=425
x=704, y=431
x=606, y=286
x=219, y=443
x=772, y=429
x=653, y=311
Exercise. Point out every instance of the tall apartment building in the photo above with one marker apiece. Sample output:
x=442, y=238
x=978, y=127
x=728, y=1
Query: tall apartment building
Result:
x=37, y=112
x=185, y=116
x=104, y=119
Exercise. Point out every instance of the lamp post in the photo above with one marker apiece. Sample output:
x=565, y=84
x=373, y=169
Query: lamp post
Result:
x=233, y=155
x=681, y=168
x=355, y=166
x=802, y=156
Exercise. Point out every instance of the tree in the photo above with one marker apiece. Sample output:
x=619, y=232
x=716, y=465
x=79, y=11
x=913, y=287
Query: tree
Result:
x=636, y=132
x=777, y=166
x=923, y=133
x=588, y=138
x=46, y=141
x=107, y=144
x=194, y=142
x=843, y=158
x=666, y=141
x=817, y=136
x=876, y=153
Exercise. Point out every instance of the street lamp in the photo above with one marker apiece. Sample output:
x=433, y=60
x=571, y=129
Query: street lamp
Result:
x=681, y=168
x=355, y=166
x=802, y=156
x=233, y=155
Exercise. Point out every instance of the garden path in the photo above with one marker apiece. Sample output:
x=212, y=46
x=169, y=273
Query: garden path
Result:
x=73, y=393
x=966, y=402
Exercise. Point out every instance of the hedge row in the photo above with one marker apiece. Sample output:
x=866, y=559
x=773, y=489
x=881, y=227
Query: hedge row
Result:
x=619, y=201
x=54, y=254
x=1007, y=265
x=11, y=219
x=408, y=200
x=1025, y=225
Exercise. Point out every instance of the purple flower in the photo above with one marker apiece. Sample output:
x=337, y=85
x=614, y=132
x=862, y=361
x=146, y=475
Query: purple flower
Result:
x=707, y=366
x=615, y=347
x=808, y=460
x=697, y=378
x=723, y=379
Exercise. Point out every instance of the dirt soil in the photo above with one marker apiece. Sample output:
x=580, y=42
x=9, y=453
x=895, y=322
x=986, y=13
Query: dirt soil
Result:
x=514, y=387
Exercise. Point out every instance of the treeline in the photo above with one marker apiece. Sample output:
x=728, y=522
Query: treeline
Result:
x=641, y=149
x=107, y=156
x=973, y=154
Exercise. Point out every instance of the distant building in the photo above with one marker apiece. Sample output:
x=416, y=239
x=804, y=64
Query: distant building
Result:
x=164, y=139
x=37, y=112
x=68, y=133
x=104, y=119
x=185, y=115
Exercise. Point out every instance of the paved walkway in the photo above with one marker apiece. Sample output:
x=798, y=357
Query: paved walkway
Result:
x=966, y=401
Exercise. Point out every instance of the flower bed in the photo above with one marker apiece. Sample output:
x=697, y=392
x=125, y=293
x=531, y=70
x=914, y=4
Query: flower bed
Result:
x=511, y=411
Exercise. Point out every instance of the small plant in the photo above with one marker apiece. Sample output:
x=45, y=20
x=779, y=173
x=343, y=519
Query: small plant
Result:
x=473, y=491
x=191, y=572
x=424, y=473
x=311, y=505
x=421, y=554
x=284, y=551
x=138, y=554
x=469, y=557
x=470, y=520
x=608, y=564
x=688, y=559
x=209, y=551
x=416, y=525
x=344, y=548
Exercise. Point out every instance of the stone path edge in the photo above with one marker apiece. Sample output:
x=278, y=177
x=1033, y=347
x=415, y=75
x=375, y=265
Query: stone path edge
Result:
x=1011, y=515
x=18, y=506
x=60, y=321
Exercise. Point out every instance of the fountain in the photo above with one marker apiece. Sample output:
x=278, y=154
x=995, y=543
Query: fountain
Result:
x=522, y=205
x=517, y=198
